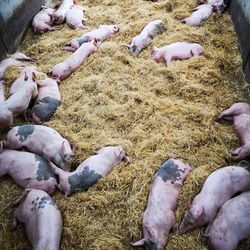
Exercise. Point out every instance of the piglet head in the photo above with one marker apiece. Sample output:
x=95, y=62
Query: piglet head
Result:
x=116, y=153
x=113, y=28
x=155, y=55
x=198, y=49
x=153, y=239
x=66, y=152
x=134, y=49
x=193, y=218
x=121, y=154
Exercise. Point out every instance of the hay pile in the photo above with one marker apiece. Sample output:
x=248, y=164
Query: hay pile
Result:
x=153, y=111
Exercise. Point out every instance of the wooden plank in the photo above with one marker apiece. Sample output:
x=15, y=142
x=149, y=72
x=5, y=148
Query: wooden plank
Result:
x=240, y=12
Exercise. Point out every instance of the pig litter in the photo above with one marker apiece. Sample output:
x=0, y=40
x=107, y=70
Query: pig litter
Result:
x=155, y=112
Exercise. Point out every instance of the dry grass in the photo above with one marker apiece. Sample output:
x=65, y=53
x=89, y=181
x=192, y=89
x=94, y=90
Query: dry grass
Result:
x=153, y=111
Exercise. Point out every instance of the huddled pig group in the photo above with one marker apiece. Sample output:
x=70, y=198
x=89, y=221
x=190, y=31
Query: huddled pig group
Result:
x=37, y=157
x=42, y=168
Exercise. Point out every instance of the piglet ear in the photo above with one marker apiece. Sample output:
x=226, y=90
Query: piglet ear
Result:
x=118, y=151
x=95, y=42
x=202, y=211
x=73, y=148
x=63, y=149
x=26, y=76
x=33, y=77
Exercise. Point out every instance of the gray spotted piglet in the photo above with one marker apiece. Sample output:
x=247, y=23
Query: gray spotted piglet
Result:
x=159, y=217
x=102, y=33
x=47, y=101
x=145, y=38
x=41, y=217
x=218, y=188
x=201, y=14
x=28, y=170
x=43, y=141
x=92, y=169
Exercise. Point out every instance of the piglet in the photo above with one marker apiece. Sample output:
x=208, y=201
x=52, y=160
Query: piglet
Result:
x=59, y=15
x=144, y=39
x=16, y=58
x=93, y=168
x=28, y=170
x=43, y=141
x=239, y=113
x=75, y=17
x=159, y=217
x=217, y=4
x=218, y=188
x=202, y=13
x=42, y=21
x=176, y=51
x=41, y=217
x=231, y=225
x=47, y=101
x=101, y=34
x=63, y=69
x=25, y=89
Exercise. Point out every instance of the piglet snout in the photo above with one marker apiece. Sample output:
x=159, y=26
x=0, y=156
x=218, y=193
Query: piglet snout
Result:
x=126, y=159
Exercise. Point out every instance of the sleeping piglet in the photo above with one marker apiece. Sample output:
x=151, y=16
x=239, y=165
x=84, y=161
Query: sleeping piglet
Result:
x=218, y=188
x=202, y=13
x=75, y=17
x=217, y=4
x=176, y=51
x=63, y=69
x=159, y=217
x=41, y=140
x=239, y=113
x=28, y=170
x=47, y=101
x=21, y=92
x=101, y=34
x=231, y=225
x=42, y=21
x=41, y=217
x=144, y=39
x=92, y=169
x=16, y=58
x=59, y=15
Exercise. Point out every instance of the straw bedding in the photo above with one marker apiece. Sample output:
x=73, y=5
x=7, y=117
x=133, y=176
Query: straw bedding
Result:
x=155, y=112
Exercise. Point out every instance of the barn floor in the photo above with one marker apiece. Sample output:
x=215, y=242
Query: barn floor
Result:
x=155, y=112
